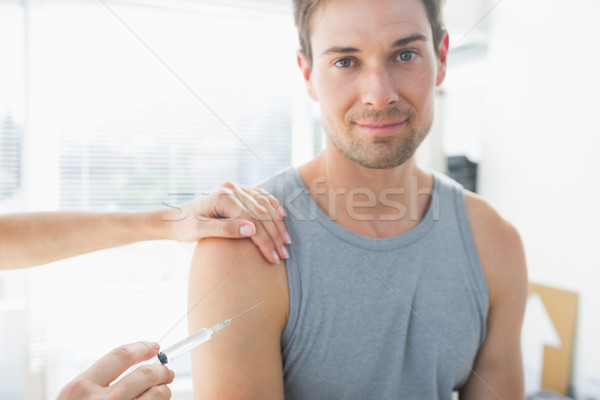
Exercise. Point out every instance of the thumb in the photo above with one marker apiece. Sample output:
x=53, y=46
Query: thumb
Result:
x=232, y=228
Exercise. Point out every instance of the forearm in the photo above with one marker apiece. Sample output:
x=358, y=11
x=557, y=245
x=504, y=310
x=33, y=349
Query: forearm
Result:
x=32, y=239
x=39, y=238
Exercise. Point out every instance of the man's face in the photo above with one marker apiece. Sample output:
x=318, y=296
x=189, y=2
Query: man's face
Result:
x=374, y=72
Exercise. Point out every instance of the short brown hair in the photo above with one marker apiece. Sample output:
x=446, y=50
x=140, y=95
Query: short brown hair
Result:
x=304, y=10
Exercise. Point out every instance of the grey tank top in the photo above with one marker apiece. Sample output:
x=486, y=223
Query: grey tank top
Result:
x=393, y=318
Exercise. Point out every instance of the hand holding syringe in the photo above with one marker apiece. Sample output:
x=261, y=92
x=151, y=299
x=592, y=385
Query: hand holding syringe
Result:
x=172, y=352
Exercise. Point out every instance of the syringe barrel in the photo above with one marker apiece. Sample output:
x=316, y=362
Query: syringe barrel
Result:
x=187, y=344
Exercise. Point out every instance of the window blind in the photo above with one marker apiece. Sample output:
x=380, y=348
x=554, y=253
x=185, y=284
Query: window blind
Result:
x=148, y=102
x=11, y=96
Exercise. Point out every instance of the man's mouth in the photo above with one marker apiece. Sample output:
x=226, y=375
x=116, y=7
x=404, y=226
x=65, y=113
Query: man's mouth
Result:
x=380, y=127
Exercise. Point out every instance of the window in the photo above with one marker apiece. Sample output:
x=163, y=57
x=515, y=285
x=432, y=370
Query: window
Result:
x=12, y=83
x=131, y=104
x=13, y=319
x=155, y=101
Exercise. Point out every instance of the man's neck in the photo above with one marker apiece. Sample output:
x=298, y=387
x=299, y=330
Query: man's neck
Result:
x=370, y=202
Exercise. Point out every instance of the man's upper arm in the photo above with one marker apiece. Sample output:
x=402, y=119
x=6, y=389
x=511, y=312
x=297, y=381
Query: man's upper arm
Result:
x=498, y=370
x=244, y=359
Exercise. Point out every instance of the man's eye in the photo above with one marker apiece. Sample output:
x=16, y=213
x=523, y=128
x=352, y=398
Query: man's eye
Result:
x=343, y=63
x=407, y=55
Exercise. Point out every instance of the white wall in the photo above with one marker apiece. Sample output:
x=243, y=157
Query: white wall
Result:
x=539, y=165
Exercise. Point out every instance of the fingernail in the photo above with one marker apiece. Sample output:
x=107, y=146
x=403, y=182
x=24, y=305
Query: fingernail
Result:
x=287, y=238
x=276, y=257
x=246, y=230
x=172, y=374
x=286, y=255
x=282, y=212
x=155, y=345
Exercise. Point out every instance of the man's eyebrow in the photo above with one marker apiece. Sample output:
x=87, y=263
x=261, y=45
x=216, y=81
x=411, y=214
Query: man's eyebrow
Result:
x=337, y=50
x=409, y=39
x=397, y=43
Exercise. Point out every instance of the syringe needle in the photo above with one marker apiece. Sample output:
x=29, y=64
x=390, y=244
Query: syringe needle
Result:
x=250, y=309
x=221, y=325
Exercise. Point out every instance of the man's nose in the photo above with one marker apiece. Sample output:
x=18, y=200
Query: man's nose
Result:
x=379, y=89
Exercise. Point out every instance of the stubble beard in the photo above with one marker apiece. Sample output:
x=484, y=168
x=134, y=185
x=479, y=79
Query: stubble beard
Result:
x=380, y=152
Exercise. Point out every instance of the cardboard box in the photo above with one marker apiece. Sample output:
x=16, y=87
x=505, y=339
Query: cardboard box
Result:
x=561, y=306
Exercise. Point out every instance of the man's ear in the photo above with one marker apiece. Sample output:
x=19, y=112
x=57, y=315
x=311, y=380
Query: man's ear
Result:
x=443, y=54
x=305, y=68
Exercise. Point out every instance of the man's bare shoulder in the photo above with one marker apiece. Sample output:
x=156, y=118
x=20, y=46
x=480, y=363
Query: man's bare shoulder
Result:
x=227, y=277
x=237, y=268
x=498, y=365
x=499, y=247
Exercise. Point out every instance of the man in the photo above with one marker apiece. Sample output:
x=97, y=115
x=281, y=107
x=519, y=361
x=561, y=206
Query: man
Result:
x=399, y=284
x=232, y=211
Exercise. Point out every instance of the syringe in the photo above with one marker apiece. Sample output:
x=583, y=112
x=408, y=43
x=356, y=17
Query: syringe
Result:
x=172, y=352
